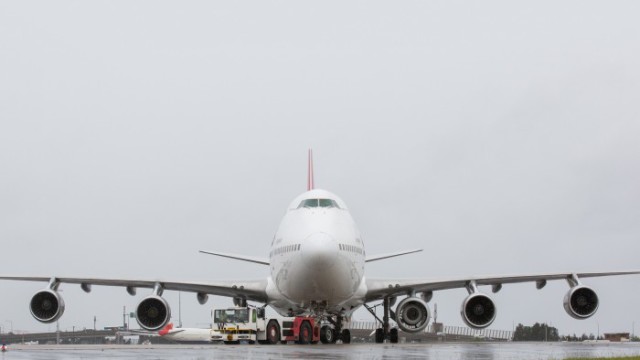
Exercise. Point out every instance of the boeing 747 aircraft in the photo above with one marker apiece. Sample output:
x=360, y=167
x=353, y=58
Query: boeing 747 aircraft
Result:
x=317, y=268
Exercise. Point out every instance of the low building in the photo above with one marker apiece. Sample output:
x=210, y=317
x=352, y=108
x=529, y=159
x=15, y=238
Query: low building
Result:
x=617, y=337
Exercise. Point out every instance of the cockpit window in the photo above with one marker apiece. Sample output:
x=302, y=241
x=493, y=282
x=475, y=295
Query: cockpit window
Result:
x=324, y=203
x=308, y=203
x=327, y=203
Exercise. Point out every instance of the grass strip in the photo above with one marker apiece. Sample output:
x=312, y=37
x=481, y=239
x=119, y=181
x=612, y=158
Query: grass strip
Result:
x=608, y=358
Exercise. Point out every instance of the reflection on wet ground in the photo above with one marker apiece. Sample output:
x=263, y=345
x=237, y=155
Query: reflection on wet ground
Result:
x=444, y=351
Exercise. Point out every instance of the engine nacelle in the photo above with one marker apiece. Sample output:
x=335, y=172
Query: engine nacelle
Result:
x=581, y=302
x=153, y=313
x=46, y=306
x=202, y=298
x=478, y=311
x=412, y=315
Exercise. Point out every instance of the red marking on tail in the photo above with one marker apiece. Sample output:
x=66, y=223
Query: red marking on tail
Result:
x=165, y=330
x=310, y=174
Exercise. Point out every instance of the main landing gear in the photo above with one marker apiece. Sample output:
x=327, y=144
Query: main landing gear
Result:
x=329, y=335
x=384, y=332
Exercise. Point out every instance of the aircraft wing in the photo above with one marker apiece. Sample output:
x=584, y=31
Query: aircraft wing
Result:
x=387, y=256
x=254, y=290
x=238, y=257
x=379, y=288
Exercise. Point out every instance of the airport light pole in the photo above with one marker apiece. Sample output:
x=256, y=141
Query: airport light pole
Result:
x=94, y=329
x=546, y=332
x=179, y=309
x=10, y=323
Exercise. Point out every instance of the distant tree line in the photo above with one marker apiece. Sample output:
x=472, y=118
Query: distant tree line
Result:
x=537, y=332
x=543, y=332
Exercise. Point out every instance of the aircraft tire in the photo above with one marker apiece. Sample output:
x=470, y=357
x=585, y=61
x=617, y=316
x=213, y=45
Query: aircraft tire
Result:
x=379, y=336
x=327, y=334
x=393, y=336
x=346, y=336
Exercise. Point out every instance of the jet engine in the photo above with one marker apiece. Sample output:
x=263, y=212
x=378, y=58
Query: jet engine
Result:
x=581, y=302
x=478, y=310
x=412, y=314
x=153, y=313
x=47, y=306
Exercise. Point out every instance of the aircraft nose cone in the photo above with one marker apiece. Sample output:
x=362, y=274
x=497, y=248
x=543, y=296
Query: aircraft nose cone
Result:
x=320, y=251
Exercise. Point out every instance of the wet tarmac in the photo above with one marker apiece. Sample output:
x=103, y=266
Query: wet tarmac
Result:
x=443, y=351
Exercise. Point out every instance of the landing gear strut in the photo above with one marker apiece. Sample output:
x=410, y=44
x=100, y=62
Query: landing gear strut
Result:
x=385, y=332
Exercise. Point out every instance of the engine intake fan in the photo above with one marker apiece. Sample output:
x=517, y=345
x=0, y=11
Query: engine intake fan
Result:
x=581, y=302
x=412, y=315
x=153, y=313
x=478, y=310
x=46, y=306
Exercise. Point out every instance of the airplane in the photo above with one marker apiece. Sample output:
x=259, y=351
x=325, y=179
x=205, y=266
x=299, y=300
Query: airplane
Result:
x=317, y=268
x=175, y=334
x=185, y=335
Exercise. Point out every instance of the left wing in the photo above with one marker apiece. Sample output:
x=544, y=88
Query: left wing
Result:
x=390, y=255
x=380, y=288
x=254, y=290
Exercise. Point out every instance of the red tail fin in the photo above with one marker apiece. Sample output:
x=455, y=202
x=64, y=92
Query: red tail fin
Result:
x=310, y=174
x=165, y=330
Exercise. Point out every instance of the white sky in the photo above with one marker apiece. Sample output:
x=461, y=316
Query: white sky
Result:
x=500, y=136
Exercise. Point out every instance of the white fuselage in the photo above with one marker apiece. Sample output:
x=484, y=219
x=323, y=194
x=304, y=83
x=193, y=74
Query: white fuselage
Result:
x=317, y=258
x=188, y=335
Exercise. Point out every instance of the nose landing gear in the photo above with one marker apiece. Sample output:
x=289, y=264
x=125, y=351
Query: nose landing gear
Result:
x=329, y=335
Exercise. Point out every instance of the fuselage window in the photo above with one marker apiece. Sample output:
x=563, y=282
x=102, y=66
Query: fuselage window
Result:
x=285, y=249
x=351, y=248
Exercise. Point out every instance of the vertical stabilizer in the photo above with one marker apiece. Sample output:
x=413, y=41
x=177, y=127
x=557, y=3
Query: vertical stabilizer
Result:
x=310, y=174
x=165, y=330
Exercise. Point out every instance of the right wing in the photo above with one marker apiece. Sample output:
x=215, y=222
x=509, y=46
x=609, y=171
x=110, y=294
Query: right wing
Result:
x=238, y=257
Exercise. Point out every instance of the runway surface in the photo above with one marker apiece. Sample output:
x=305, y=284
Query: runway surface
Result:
x=444, y=351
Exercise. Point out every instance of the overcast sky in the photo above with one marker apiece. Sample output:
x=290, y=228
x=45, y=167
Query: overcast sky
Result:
x=502, y=137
